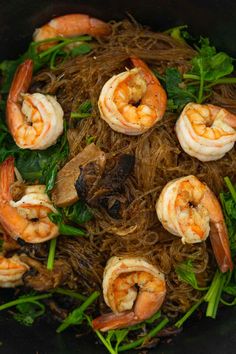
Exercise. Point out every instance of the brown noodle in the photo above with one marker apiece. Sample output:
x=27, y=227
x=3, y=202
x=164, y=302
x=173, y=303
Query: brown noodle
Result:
x=159, y=159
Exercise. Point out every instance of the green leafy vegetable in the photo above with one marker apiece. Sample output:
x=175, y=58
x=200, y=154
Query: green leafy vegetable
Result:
x=76, y=317
x=179, y=94
x=81, y=49
x=78, y=213
x=114, y=338
x=68, y=230
x=28, y=312
x=185, y=272
x=179, y=33
x=84, y=110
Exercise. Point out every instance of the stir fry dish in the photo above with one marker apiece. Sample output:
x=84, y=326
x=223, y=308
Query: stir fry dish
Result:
x=117, y=172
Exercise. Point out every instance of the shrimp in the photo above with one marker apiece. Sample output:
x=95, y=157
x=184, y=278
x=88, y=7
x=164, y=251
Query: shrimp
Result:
x=26, y=218
x=11, y=271
x=130, y=305
x=37, y=122
x=206, y=132
x=119, y=97
x=189, y=209
x=70, y=26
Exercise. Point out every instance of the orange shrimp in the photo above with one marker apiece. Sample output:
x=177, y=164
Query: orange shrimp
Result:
x=130, y=305
x=11, y=271
x=70, y=26
x=37, y=122
x=189, y=209
x=27, y=218
x=206, y=132
x=120, y=95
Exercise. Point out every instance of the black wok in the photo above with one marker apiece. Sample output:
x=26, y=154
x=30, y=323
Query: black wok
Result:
x=213, y=18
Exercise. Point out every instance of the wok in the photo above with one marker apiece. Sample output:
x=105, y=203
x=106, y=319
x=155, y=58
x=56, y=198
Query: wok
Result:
x=213, y=18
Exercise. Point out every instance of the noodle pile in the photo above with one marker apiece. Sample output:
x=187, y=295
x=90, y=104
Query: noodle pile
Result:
x=158, y=159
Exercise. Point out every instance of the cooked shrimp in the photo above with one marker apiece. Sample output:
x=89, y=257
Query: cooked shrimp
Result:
x=70, y=26
x=120, y=95
x=11, y=271
x=189, y=209
x=27, y=218
x=37, y=122
x=130, y=305
x=206, y=132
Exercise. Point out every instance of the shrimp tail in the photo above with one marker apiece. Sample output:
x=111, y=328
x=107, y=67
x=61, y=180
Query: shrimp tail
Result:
x=220, y=245
x=218, y=234
x=7, y=177
x=153, y=85
x=110, y=321
x=21, y=80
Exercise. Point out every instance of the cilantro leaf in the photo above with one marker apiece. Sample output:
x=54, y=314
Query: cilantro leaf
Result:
x=179, y=94
x=185, y=272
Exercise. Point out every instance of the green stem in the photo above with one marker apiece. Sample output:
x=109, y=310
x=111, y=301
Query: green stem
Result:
x=102, y=339
x=79, y=311
x=201, y=87
x=214, y=294
x=145, y=338
x=229, y=80
x=68, y=230
x=51, y=255
x=181, y=321
x=230, y=188
x=24, y=300
x=80, y=115
x=70, y=293
x=191, y=76
x=63, y=43
x=233, y=303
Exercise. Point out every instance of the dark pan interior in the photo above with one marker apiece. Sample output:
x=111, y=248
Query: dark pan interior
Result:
x=213, y=18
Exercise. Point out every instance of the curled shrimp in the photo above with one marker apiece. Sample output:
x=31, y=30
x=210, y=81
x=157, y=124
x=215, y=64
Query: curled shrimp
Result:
x=37, y=121
x=70, y=26
x=206, y=132
x=11, y=271
x=189, y=209
x=134, y=289
x=120, y=94
x=27, y=218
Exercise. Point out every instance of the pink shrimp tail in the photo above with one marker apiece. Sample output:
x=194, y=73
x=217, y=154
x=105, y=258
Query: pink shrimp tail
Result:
x=6, y=178
x=220, y=244
x=21, y=80
x=114, y=321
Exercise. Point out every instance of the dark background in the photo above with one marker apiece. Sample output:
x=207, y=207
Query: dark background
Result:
x=213, y=18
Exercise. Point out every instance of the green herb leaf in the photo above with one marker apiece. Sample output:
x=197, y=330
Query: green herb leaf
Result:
x=185, y=272
x=178, y=93
x=81, y=49
x=28, y=312
x=76, y=317
x=78, y=213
